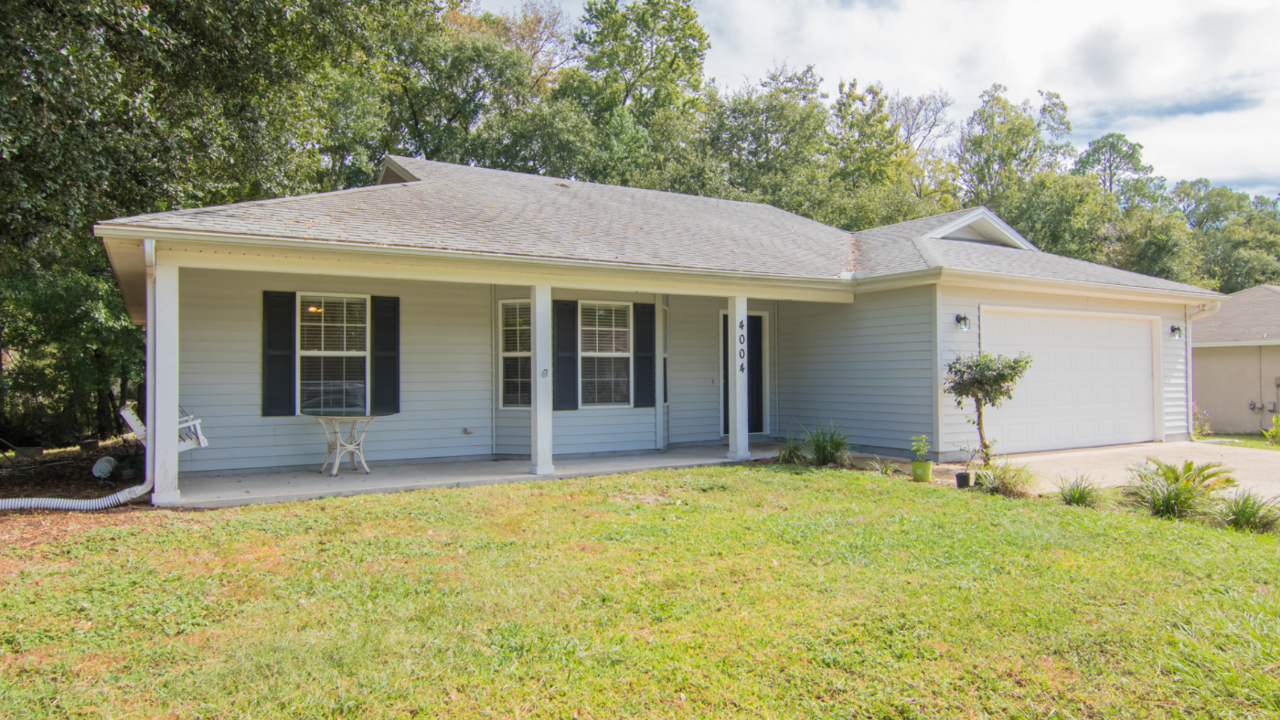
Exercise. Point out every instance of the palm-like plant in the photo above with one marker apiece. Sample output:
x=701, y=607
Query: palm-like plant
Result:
x=1176, y=491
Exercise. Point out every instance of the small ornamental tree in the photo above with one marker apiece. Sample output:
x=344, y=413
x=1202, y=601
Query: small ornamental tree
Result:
x=988, y=380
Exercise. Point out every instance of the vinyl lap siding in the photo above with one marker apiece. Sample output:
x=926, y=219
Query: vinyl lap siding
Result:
x=445, y=372
x=866, y=368
x=592, y=430
x=694, y=370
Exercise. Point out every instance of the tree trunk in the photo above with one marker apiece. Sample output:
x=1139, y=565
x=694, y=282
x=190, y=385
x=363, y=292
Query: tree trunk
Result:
x=982, y=435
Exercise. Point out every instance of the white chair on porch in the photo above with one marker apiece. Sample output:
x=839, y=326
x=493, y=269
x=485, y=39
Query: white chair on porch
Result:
x=189, y=434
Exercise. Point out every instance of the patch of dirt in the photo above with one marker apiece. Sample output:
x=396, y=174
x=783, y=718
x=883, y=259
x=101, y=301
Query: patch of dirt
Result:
x=26, y=529
x=68, y=473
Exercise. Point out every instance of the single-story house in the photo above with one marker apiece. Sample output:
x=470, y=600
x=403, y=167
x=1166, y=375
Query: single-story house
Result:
x=1236, y=361
x=491, y=314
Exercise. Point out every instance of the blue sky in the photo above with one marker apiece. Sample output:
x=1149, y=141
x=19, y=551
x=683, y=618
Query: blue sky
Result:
x=1197, y=83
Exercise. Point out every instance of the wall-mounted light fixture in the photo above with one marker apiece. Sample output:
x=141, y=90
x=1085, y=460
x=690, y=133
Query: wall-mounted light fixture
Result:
x=1176, y=330
x=963, y=322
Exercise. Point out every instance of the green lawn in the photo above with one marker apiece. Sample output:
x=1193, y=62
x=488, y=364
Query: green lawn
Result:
x=1253, y=440
x=727, y=592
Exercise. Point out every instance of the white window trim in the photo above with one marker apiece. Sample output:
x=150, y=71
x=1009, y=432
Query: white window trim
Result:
x=299, y=352
x=502, y=354
x=630, y=355
x=764, y=352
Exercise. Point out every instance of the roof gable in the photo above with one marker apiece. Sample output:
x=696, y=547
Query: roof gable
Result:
x=981, y=225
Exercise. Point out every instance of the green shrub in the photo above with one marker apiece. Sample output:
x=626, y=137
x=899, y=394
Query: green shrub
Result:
x=1200, y=419
x=1248, y=511
x=826, y=444
x=1079, y=491
x=792, y=452
x=1273, y=435
x=883, y=467
x=920, y=447
x=1177, y=492
x=1006, y=479
x=988, y=380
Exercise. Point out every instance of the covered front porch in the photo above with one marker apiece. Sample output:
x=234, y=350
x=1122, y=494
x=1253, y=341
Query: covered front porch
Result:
x=244, y=488
x=468, y=406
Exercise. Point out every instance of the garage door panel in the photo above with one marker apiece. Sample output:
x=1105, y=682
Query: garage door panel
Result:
x=1090, y=382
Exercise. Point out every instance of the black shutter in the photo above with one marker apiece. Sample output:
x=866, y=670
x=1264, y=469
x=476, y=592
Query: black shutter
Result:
x=384, y=356
x=278, y=362
x=564, y=360
x=644, y=382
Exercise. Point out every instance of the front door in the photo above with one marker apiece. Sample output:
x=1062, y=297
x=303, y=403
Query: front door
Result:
x=755, y=372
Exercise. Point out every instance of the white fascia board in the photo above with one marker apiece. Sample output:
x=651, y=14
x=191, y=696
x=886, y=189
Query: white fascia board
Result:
x=975, y=278
x=1001, y=281
x=1237, y=343
x=268, y=254
x=1012, y=238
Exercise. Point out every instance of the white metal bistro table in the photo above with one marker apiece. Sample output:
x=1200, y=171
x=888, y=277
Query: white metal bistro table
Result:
x=349, y=443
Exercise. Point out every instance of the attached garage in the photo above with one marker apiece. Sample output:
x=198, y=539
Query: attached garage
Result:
x=1093, y=380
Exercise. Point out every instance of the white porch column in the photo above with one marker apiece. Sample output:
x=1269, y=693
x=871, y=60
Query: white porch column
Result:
x=737, y=379
x=540, y=422
x=162, y=385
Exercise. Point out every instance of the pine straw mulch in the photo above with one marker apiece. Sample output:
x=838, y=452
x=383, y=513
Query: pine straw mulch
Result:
x=67, y=473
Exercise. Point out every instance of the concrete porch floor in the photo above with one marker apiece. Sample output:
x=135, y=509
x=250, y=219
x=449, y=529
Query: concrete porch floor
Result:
x=243, y=488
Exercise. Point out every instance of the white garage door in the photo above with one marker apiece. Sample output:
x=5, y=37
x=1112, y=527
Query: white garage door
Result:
x=1090, y=382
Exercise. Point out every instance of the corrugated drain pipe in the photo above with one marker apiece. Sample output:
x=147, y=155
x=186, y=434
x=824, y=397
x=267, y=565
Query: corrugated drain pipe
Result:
x=101, y=503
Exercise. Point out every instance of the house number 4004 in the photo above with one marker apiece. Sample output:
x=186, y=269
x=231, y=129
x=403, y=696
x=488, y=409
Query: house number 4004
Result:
x=742, y=347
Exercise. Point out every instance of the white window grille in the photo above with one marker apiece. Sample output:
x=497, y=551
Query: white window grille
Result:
x=604, y=353
x=333, y=354
x=517, y=357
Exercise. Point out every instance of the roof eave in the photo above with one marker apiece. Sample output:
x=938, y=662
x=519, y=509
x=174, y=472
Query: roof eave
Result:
x=978, y=278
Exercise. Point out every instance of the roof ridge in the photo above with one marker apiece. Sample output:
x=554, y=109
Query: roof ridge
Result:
x=612, y=187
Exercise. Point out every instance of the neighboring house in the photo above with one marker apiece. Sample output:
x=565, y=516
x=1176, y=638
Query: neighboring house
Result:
x=496, y=314
x=1236, y=361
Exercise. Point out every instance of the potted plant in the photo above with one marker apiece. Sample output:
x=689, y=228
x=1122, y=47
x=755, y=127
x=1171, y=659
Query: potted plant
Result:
x=921, y=467
x=964, y=477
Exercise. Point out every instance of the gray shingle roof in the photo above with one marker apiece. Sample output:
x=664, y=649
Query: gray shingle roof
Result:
x=1251, y=315
x=456, y=208
x=476, y=210
x=903, y=247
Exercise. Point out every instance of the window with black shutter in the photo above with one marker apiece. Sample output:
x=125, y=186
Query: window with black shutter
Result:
x=384, y=345
x=278, y=354
x=564, y=360
x=644, y=358
x=330, y=354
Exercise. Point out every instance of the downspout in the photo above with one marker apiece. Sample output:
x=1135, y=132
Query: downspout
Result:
x=128, y=494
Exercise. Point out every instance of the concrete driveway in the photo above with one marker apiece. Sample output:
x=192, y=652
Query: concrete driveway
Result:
x=1255, y=469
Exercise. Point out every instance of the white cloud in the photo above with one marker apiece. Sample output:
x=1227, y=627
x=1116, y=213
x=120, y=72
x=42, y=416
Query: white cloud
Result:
x=1197, y=83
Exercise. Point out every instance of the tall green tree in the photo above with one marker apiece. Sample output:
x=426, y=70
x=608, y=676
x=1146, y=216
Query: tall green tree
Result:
x=646, y=55
x=120, y=107
x=863, y=139
x=1003, y=144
